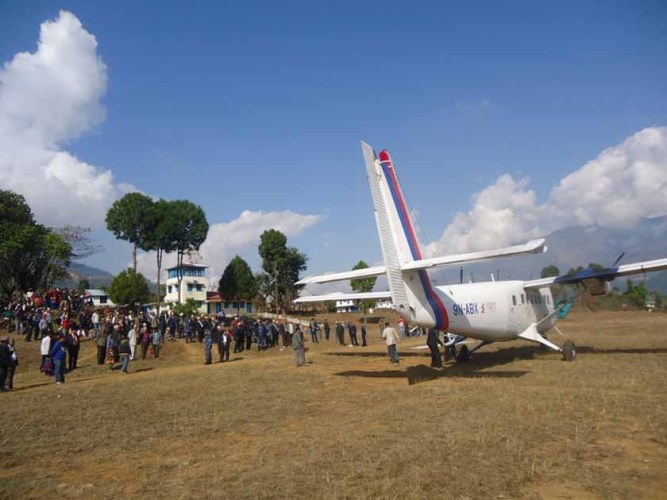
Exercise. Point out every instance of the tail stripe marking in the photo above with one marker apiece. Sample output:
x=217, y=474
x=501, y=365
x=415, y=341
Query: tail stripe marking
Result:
x=441, y=317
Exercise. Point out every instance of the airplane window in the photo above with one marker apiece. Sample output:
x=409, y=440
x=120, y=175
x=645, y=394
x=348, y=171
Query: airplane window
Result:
x=514, y=299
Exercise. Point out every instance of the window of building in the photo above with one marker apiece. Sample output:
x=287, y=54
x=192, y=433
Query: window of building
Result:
x=523, y=299
x=189, y=287
x=103, y=299
x=199, y=288
x=169, y=289
x=514, y=299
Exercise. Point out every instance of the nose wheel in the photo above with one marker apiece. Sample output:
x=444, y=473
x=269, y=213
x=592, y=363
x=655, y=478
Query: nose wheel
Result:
x=569, y=351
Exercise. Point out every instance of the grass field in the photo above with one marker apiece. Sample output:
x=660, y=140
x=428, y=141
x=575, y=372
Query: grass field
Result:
x=515, y=422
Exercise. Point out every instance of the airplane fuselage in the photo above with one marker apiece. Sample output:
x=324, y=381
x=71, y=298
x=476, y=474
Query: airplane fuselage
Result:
x=495, y=311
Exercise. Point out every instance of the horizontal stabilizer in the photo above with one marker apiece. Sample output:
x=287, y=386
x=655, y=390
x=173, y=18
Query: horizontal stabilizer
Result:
x=533, y=246
x=602, y=275
x=344, y=296
x=346, y=275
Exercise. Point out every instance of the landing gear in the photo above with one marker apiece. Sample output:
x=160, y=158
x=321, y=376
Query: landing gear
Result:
x=569, y=351
x=464, y=355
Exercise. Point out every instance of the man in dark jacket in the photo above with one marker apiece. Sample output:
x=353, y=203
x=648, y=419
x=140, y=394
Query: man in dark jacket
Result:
x=299, y=348
x=340, y=333
x=5, y=360
x=352, y=330
x=101, y=346
x=433, y=341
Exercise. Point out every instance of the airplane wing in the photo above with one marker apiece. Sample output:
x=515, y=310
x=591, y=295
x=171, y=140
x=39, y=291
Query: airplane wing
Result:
x=346, y=275
x=593, y=279
x=533, y=246
x=344, y=296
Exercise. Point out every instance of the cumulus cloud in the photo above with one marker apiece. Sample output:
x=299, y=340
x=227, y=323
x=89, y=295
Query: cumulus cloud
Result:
x=47, y=98
x=623, y=184
x=240, y=236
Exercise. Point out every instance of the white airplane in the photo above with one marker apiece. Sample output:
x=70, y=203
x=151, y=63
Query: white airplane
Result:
x=490, y=311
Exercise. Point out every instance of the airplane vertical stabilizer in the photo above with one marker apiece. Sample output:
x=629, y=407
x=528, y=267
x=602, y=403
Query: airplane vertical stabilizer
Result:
x=412, y=293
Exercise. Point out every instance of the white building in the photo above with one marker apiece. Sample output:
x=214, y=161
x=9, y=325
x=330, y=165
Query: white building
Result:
x=193, y=285
x=99, y=298
x=344, y=306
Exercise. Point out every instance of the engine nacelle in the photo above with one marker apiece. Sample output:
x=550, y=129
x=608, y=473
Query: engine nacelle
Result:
x=597, y=286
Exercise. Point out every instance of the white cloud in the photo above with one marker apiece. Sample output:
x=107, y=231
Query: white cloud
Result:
x=47, y=98
x=622, y=185
x=240, y=236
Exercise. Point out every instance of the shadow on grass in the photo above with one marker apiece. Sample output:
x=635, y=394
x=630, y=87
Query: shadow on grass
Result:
x=139, y=370
x=365, y=354
x=51, y=382
x=423, y=373
x=639, y=350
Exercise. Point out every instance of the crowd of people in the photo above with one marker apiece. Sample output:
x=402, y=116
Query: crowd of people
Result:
x=60, y=319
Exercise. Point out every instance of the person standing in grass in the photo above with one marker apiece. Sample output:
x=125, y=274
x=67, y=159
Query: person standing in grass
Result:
x=124, y=352
x=208, y=346
x=391, y=338
x=327, y=329
x=156, y=340
x=111, y=348
x=59, y=354
x=13, y=363
x=145, y=340
x=5, y=360
x=44, y=349
x=132, y=339
x=101, y=344
x=299, y=348
x=363, y=333
x=433, y=342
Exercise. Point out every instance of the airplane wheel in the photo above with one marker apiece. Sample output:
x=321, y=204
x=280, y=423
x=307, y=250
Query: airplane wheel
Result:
x=569, y=351
x=464, y=355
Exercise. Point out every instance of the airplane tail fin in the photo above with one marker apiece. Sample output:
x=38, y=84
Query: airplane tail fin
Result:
x=411, y=291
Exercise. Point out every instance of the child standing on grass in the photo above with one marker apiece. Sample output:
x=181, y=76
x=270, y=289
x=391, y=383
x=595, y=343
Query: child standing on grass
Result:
x=111, y=344
x=124, y=351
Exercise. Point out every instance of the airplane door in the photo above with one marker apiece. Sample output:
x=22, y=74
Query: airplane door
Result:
x=516, y=312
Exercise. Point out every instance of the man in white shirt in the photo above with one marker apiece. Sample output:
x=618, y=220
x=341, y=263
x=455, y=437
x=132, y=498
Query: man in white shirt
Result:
x=391, y=338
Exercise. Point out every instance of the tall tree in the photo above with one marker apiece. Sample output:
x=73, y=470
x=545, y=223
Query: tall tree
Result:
x=363, y=285
x=282, y=267
x=130, y=288
x=159, y=235
x=127, y=220
x=189, y=228
x=31, y=255
x=237, y=281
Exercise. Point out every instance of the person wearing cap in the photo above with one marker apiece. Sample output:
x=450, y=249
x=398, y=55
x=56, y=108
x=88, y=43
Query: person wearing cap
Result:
x=5, y=360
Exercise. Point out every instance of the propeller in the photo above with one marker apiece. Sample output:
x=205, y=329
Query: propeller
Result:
x=618, y=260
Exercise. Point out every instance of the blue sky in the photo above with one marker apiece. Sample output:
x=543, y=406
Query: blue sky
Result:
x=260, y=106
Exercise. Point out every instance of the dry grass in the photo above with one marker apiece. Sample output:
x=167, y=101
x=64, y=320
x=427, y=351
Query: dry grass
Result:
x=515, y=422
